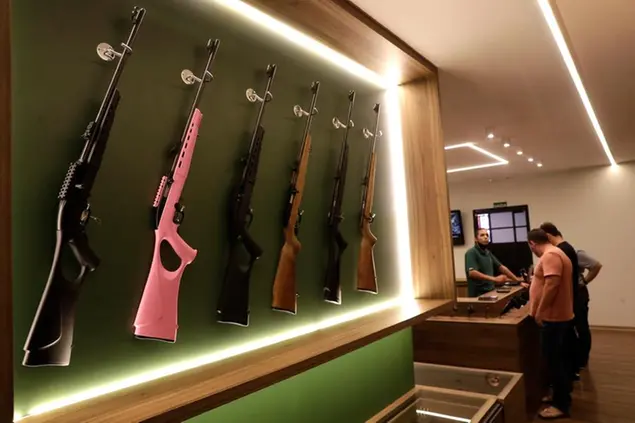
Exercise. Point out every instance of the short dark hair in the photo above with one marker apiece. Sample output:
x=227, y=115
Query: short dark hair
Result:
x=551, y=229
x=538, y=236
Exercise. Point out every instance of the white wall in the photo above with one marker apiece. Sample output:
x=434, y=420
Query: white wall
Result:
x=595, y=211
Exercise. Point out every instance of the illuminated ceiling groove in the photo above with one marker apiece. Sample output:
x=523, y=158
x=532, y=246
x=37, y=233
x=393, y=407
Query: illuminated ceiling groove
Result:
x=499, y=161
x=556, y=26
x=398, y=182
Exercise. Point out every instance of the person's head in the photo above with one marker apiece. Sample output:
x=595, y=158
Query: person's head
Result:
x=538, y=241
x=555, y=236
x=481, y=237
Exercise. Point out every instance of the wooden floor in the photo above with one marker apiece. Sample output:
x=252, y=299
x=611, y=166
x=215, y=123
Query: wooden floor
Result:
x=606, y=393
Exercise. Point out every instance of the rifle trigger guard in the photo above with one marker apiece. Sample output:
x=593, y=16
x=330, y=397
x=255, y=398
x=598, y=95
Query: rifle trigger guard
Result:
x=371, y=218
x=250, y=217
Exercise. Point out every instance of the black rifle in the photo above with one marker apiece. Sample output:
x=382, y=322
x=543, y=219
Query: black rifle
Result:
x=233, y=303
x=50, y=338
x=337, y=244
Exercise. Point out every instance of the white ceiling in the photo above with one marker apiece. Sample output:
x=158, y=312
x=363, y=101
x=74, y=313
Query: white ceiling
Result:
x=500, y=68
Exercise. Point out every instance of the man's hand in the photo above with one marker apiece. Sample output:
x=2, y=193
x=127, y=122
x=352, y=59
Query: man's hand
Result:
x=519, y=279
x=538, y=320
x=500, y=279
x=524, y=285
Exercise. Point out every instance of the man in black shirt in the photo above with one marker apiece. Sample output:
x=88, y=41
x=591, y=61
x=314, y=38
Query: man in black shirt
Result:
x=556, y=238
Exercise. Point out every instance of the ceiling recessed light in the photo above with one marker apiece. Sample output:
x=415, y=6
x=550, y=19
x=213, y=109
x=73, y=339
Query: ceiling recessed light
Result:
x=490, y=136
x=531, y=159
x=558, y=36
x=507, y=145
x=519, y=152
x=539, y=165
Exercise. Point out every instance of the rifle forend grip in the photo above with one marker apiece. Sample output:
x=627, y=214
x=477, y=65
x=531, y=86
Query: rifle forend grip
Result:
x=284, y=285
x=366, y=276
x=158, y=310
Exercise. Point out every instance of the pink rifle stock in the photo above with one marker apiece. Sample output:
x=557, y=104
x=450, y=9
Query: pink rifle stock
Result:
x=158, y=311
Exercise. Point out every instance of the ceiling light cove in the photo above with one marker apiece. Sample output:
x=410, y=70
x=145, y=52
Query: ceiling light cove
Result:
x=499, y=161
x=558, y=36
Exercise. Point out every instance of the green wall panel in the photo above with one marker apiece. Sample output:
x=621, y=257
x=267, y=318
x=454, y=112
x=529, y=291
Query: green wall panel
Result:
x=58, y=82
x=350, y=389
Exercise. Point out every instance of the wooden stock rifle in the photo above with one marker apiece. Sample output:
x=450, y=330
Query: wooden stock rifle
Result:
x=284, y=284
x=366, y=276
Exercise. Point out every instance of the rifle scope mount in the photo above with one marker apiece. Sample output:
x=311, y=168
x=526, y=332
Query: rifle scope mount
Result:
x=339, y=125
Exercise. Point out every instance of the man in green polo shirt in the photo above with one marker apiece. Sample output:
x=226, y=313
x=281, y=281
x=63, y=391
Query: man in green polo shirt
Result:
x=480, y=264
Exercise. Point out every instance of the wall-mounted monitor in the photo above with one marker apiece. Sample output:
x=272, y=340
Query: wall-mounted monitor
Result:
x=456, y=223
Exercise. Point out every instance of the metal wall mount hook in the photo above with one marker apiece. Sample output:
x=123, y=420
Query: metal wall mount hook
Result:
x=338, y=124
x=368, y=134
x=108, y=54
x=253, y=96
x=300, y=112
x=188, y=77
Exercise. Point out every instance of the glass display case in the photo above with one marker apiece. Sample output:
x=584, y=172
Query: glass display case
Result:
x=437, y=405
x=506, y=387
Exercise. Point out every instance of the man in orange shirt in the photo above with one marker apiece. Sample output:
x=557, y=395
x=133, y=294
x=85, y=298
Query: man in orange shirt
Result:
x=551, y=306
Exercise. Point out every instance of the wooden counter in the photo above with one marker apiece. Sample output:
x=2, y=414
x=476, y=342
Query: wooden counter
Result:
x=507, y=343
x=189, y=393
x=473, y=307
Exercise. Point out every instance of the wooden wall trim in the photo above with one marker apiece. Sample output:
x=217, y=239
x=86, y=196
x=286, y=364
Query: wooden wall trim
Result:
x=6, y=297
x=184, y=395
x=346, y=28
x=427, y=190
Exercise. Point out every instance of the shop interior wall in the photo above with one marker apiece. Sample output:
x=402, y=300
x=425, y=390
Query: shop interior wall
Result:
x=58, y=82
x=593, y=209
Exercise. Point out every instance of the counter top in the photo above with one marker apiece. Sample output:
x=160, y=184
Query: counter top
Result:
x=513, y=317
x=189, y=393
x=501, y=296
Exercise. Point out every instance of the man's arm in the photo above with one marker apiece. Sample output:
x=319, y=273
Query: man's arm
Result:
x=549, y=292
x=592, y=273
x=593, y=266
x=505, y=271
x=475, y=274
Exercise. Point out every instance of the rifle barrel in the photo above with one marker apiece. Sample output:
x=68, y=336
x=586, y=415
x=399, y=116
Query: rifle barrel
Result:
x=138, y=14
x=271, y=74
x=212, y=47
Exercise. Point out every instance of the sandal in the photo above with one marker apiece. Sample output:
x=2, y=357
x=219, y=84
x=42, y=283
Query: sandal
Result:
x=552, y=413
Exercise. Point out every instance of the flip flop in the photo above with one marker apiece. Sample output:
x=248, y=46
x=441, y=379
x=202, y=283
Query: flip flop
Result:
x=553, y=416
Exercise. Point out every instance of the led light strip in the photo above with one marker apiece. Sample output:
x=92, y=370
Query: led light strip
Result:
x=398, y=182
x=306, y=42
x=443, y=416
x=400, y=201
x=558, y=37
x=208, y=358
x=499, y=160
